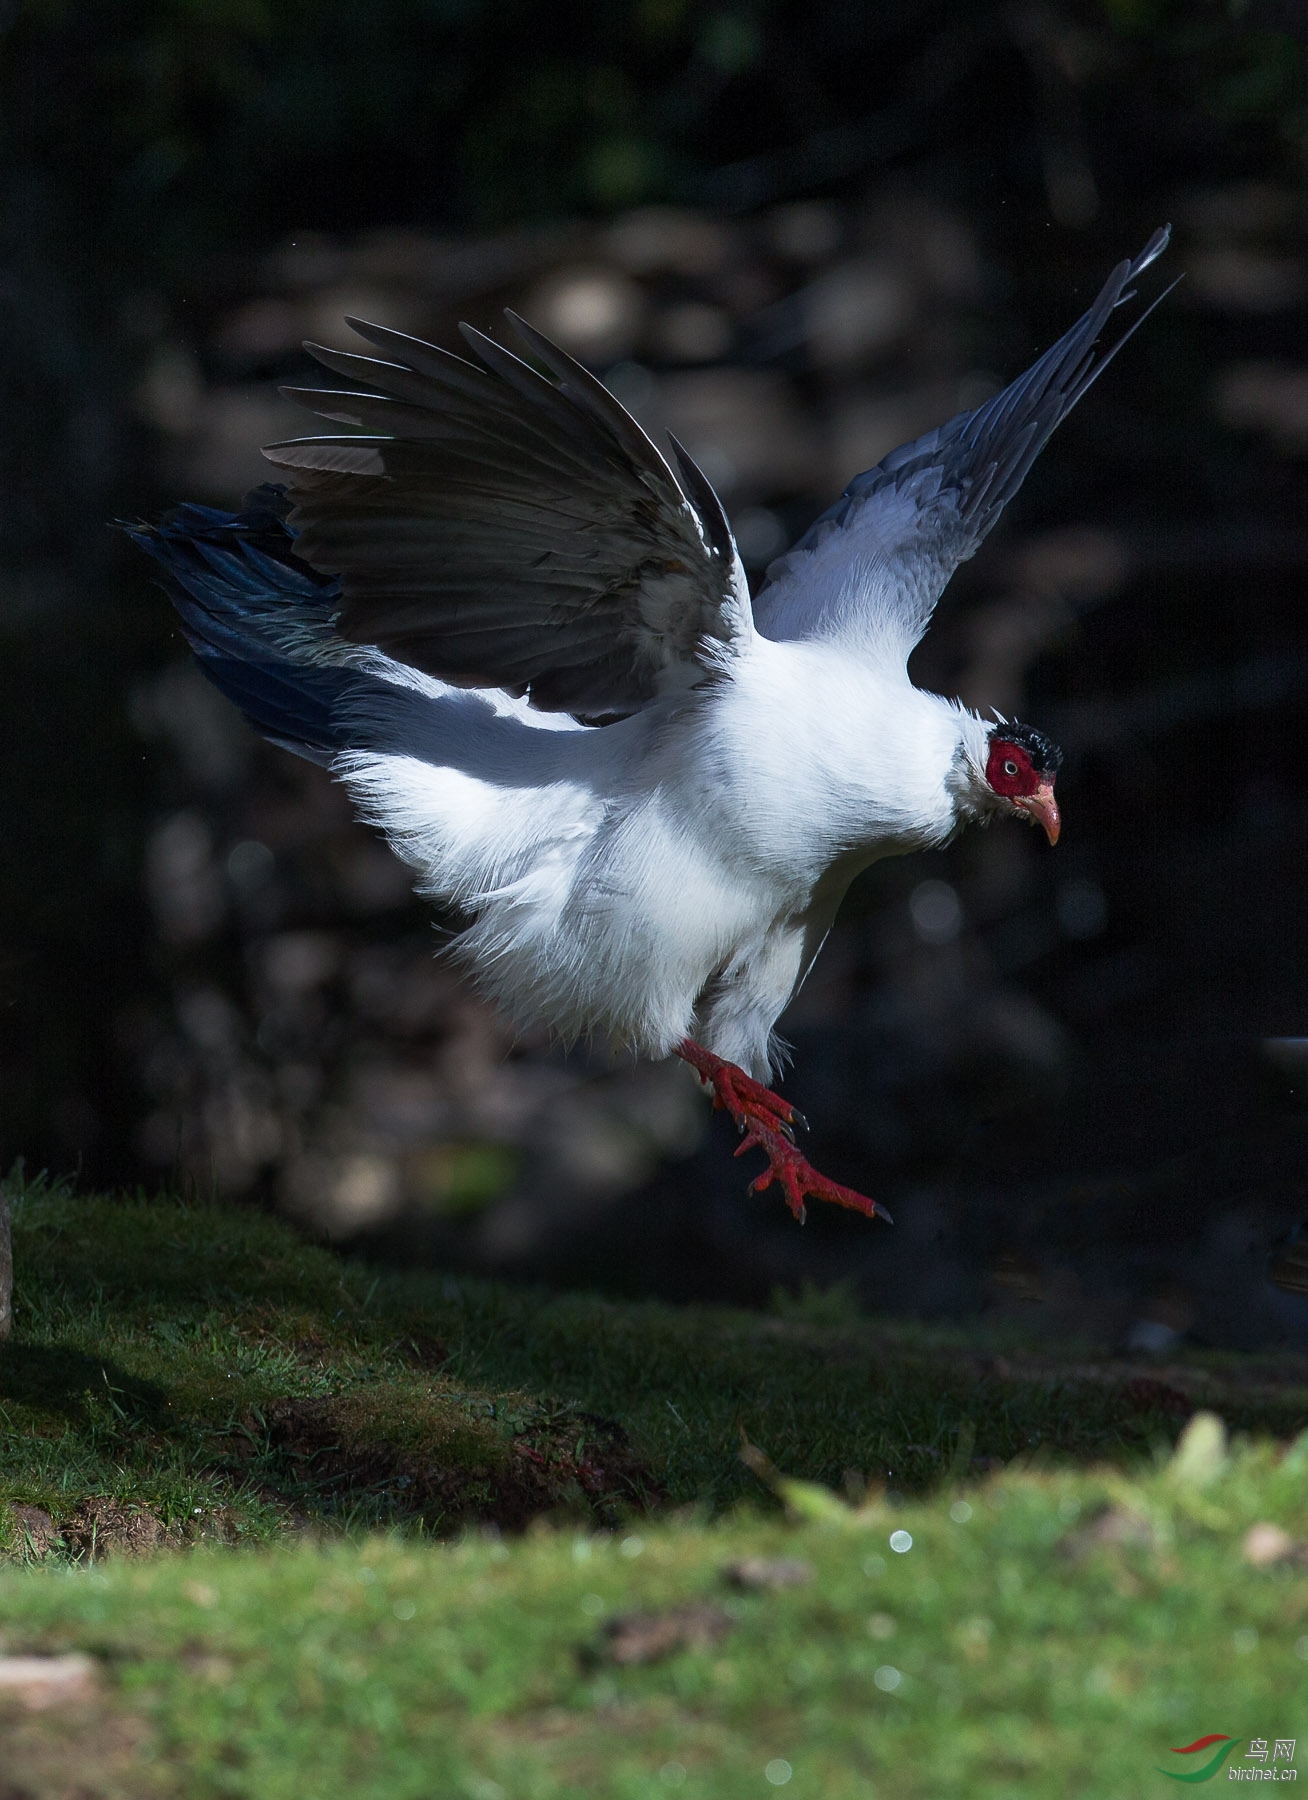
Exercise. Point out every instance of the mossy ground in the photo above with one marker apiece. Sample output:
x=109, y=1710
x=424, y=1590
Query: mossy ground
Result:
x=1058, y=1623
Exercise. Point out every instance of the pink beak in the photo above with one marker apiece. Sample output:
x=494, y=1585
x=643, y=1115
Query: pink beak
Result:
x=1042, y=807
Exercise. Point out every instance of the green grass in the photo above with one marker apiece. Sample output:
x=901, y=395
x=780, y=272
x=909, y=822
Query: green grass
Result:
x=207, y=1379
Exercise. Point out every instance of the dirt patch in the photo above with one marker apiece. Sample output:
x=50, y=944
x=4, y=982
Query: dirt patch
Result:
x=40, y=1682
x=757, y=1574
x=1249, y=1379
x=101, y=1526
x=636, y=1638
x=82, y=1749
x=539, y=1463
x=423, y=1350
x=34, y=1531
x=1113, y=1528
x=1146, y=1395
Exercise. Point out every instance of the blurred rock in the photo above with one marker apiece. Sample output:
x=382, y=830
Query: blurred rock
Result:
x=342, y=1194
x=1267, y=397
x=1265, y=1544
x=183, y=880
x=856, y=310
x=41, y=1682
x=1237, y=279
x=805, y=231
x=1152, y=1336
x=261, y=329
x=744, y=429
x=761, y=536
x=936, y=912
x=662, y=239
x=206, y=734
x=1077, y=563
x=1243, y=209
x=171, y=392
x=693, y=332
x=220, y=457
x=594, y=312
x=298, y=960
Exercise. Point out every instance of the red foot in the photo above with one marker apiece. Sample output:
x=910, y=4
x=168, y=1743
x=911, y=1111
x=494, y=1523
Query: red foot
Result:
x=766, y=1120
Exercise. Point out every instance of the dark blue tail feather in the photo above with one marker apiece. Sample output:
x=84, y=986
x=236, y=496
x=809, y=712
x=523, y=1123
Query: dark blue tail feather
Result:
x=240, y=592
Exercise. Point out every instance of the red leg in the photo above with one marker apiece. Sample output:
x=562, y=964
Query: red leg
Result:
x=766, y=1121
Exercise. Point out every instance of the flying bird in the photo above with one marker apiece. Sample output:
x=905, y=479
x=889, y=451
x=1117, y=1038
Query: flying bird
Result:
x=522, y=638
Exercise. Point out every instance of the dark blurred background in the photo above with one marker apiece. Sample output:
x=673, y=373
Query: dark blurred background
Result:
x=798, y=235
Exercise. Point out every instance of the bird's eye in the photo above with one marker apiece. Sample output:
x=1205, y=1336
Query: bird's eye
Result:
x=1010, y=767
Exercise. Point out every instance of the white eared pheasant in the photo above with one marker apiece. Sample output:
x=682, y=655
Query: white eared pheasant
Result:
x=523, y=640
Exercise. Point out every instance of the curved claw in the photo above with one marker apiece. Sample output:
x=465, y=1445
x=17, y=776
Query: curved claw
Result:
x=766, y=1122
x=800, y=1180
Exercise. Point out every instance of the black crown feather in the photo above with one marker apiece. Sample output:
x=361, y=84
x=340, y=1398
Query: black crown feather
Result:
x=1046, y=757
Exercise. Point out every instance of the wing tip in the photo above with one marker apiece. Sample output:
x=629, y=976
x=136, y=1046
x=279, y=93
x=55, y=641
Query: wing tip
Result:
x=1158, y=242
x=704, y=502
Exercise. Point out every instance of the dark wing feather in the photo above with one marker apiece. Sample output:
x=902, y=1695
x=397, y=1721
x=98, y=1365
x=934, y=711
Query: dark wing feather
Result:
x=875, y=564
x=256, y=618
x=498, y=528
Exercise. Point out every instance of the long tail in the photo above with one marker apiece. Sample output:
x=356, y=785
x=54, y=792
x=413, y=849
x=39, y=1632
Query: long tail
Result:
x=258, y=619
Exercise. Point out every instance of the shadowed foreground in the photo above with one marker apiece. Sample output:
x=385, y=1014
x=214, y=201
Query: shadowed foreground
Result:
x=990, y=1603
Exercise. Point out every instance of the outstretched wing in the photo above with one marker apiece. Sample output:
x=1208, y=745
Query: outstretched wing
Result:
x=872, y=568
x=505, y=530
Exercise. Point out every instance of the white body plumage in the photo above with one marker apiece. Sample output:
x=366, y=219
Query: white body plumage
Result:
x=673, y=874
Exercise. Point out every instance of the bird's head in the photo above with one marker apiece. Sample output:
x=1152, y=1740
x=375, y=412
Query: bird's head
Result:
x=1021, y=764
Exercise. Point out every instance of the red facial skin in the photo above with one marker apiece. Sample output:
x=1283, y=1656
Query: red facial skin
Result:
x=1011, y=775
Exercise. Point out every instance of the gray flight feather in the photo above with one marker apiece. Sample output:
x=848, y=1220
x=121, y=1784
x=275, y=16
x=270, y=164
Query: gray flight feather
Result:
x=872, y=568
